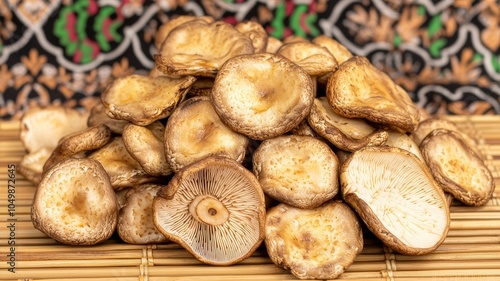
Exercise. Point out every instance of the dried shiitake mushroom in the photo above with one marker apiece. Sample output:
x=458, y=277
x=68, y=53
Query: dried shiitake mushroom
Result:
x=164, y=30
x=357, y=89
x=273, y=44
x=262, y=95
x=315, y=60
x=300, y=171
x=457, y=168
x=75, y=204
x=194, y=131
x=339, y=51
x=396, y=196
x=208, y=47
x=313, y=244
x=142, y=99
x=344, y=133
x=145, y=144
x=88, y=139
x=403, y=141
x=202, y=86
x=123, y=170
x=215, y=209
x=304, y=129
x=135, y=220
x=99, y=116
x=256, y=32
x=31, y=165
x=37, y=122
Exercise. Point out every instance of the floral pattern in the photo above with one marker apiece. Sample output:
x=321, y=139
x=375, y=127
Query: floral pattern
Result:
x=446, y=54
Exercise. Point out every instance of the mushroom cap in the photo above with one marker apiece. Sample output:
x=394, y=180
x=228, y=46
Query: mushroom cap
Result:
x=123, y=170
x=294, y=38
x=88, y=139
x=145, y=144
x=195, y=131
x=31, y=165
x=403, y=141
x=98, y=116
x=315, y=60
x=256, y=32
x=304, y=129
x=300, y=171
x=345, y=133
x=58, y=120
x=457, y=168
x=357, y=89
x=142, y=99
x=135, y=220
x=313, y=244
x=396, y=196
x=164, y=29
x=75, y=204
x=338, y=51
x=430, y=124
x=202, y=87
x=262, y=95
x=273, y=44
x=208, y=47
x=215, y=209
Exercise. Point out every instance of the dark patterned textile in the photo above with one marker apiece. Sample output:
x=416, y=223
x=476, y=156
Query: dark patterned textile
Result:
x=446, y=54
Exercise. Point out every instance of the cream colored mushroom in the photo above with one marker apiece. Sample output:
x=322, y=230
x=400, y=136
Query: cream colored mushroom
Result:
x=315, y=60
x=396, y=196
x=256, y=32
x=215, y=209
x=164, y=29
x=31, y=164
x=99, y=116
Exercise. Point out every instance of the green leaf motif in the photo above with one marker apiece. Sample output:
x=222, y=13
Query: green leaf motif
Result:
x=435, y=25
x=436, y=46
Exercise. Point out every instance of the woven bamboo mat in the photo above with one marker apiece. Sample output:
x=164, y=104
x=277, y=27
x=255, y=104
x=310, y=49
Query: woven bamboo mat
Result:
x=470, y=252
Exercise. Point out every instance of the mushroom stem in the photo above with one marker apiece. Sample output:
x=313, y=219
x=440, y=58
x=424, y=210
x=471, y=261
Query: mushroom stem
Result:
x=209, y=210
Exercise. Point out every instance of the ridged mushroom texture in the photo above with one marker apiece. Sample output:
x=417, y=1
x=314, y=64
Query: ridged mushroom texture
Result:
x=215, y=209
x=396, y=196
x=262, y=95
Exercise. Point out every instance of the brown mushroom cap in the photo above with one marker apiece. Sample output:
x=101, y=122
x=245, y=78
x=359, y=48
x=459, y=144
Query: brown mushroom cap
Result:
x=357, y=89
x=314, y=59
x=164, y=30
x=195, y=131
x=146, y=146
x=345, y=133
x=403, y=141
x=256, y=32
x=208, y=47
x=313, y=244
x=142, y=99
x=36, y=122
x=339, y=51
x=31, y=165
x=300, y=171
x=75, y=204
x=202, y=86
x=396, y=196
x=457, y=168
x=135, y=220
x=273, y=44
x=262, y=95
x=99, y=116
x=215, y=209
x=85, y=140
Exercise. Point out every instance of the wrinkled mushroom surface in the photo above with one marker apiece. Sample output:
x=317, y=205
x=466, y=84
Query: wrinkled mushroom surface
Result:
x=99, y=116
x=357, y=89
x=300, y=171
x=396, y=196
x=164, y=30
x=142, y=99
x=338, y=51
x=256, y=32
x=262, y=95
x=314, y=59
x=313, y=244
x=75, y=204
x=457, y=168
x=215, y=209
x=31, y=165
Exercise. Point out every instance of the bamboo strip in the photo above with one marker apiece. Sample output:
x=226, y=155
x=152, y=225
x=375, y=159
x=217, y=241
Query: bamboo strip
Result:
x=451, y=273
x=9, y=125
x=467, y=248
x=475, y=215
x=18, y=217
x=472, y=232
x=482, y=224
x=449, y=257
x=487, y=208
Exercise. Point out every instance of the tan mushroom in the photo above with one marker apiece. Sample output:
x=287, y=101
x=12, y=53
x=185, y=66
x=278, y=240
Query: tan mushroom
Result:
x=31, y=164
x=294, y=39
x=273, y=44
x=304, y=129
x=208, y=47
x=300, y=171
x=146, y=146
x=396, y=196
x=403, y=141
x=99, y=116
x=357, y=89
x=313, y=244
x=315, y=60
x=215, y=209
x=195, y=131
x=142, y=99
x=123, y=170
x=256, y=32
x=75, y=204
x=457, y=168
x=36, y=122
x=88, y=139
x=339, y=51
x=164, y=29
x=345, y=133
x=262, y=95
x=135, y=220
x=202, y=87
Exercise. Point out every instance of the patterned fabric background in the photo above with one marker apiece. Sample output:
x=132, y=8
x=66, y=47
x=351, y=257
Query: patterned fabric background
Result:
x=446, y=54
